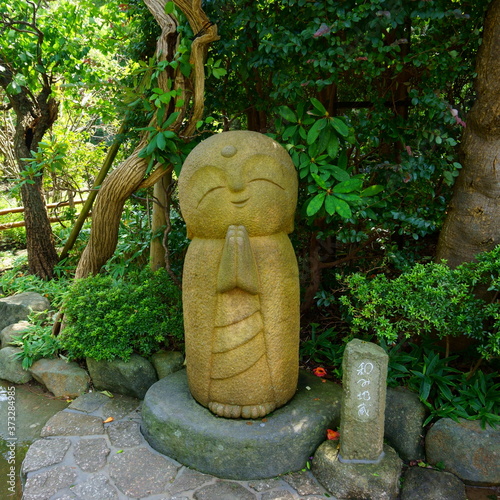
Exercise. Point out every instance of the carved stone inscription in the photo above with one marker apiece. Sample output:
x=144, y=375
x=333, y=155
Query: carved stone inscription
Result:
x=366, y=404
x=363, y=402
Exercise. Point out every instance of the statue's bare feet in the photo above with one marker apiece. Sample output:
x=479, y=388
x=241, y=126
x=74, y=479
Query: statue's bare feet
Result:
x=236, y=411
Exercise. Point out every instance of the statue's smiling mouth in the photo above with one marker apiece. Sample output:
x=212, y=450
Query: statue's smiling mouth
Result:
x=240, y=203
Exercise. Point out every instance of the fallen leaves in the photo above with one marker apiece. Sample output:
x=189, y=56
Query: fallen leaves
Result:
x=332, y=435
x=319, y=371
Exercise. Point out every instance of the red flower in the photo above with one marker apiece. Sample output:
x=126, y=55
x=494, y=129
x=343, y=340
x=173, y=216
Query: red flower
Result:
x=332, y=435
x=319, y=371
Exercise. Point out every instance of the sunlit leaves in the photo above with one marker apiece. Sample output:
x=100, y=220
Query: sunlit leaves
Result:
x=315, y=204
x=287, y=114
x=317, y=143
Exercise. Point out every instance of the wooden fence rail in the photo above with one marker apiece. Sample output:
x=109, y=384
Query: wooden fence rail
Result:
x=13, y=210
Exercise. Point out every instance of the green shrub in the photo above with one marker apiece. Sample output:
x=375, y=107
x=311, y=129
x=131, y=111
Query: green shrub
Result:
x=429, y=299
x=107, y=318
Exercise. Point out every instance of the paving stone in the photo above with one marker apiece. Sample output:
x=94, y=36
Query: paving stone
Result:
x=140, y=472
x=90, y=454
x=224, y=490
x=89, y=402
x=125, y=434
x=265, y=484
x=97, y=487
x=277, y=495
x=66, y=423
x=304, y=483
x=120, y=406
x=45, y=452
x=64, y=496
x=189, y=480
x=45, y=484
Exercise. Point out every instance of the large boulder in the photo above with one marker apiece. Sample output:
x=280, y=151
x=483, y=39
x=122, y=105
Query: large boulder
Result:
x=15, y=330
x=11, y=367
x=61, y=378
x=404, y=418
x=18, y=307
x=466, y=450
x=130, y=378
x=421, y=483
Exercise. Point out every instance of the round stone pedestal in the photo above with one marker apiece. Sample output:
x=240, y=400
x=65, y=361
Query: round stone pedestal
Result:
x=176, y=425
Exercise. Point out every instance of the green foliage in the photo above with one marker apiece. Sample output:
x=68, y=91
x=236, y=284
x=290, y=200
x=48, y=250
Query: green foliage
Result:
x=108, y=319
x=14, y=237
x=398, y=74
x=37, y=343
x=323, y=348
x=134, y=238
x=429, y=298
x=36, y=48
x=17, y=280
x=445, y=390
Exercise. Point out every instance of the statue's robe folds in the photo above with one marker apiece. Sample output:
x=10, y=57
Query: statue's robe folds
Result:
x=241, y=315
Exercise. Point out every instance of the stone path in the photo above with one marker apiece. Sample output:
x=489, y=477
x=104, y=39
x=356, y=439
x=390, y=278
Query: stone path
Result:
x=81, y=457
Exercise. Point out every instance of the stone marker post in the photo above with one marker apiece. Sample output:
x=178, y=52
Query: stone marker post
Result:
x=363, y=403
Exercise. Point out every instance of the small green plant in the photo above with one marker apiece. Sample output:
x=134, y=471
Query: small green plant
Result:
x=443, y=388
x=324, y=349
x=107, y=318
x=134, y=237
x=37, y=343
x=17, y=280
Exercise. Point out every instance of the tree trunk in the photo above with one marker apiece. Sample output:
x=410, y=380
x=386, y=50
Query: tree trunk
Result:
x=33, y=120
x=127, y=178
x=34, y=116
x=472, y=224
x=115, y=190
x=159, y=220
x=42, y=255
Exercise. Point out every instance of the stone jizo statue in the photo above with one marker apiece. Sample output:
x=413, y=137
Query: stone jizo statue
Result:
x=238, y=193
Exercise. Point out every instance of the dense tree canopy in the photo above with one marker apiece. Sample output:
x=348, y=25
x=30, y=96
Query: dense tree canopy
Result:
x=43, y=65
x=370, y=98
x=399, y=74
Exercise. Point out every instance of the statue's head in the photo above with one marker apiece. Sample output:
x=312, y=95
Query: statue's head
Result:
x=242, y=178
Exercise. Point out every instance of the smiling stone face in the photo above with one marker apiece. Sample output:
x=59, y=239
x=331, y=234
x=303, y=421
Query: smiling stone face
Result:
x=238, y=178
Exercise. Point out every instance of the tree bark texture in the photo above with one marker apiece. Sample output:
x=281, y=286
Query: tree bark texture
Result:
x=129, y=176
x=472, y=224
x=159, y=220
x=34, y=116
